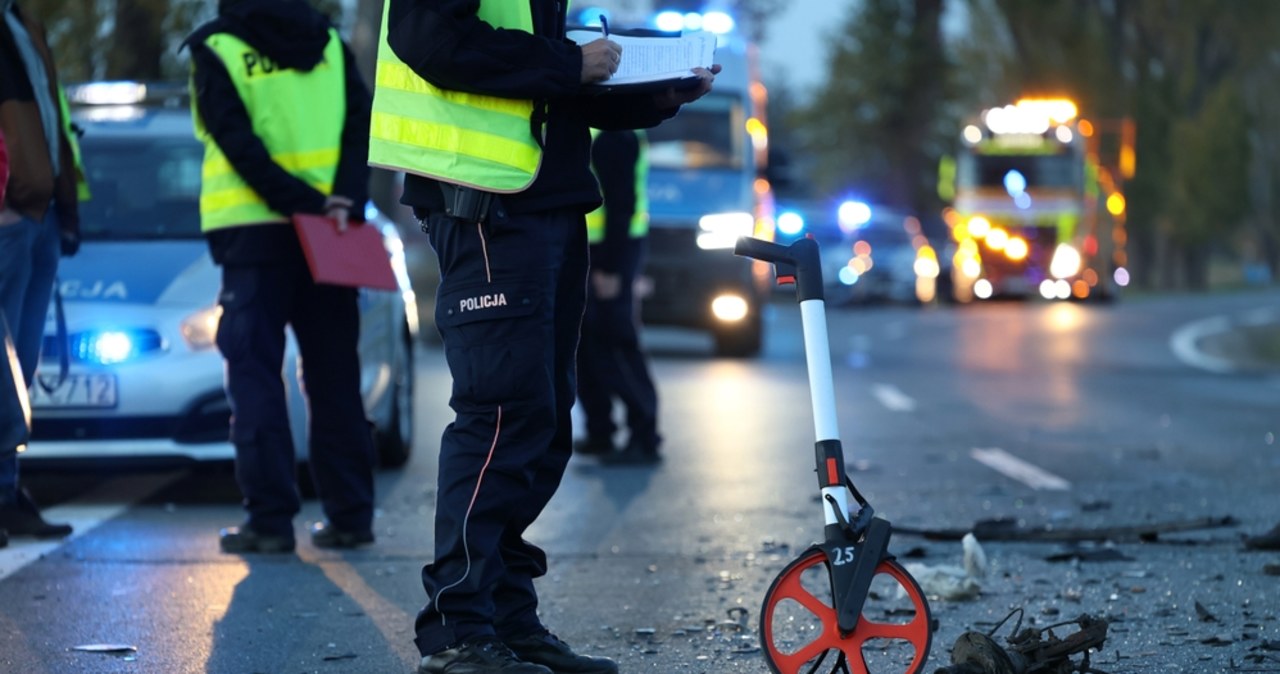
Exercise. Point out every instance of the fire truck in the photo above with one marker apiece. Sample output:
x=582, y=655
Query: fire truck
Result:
x=1035, y=210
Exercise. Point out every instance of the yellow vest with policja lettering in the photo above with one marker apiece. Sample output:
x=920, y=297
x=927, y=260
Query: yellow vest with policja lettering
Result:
x=485, y=142
x=307, y=144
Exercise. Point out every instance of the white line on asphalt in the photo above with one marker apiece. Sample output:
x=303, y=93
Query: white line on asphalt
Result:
x=104, y=502
x=1185, y=344
x=893, y=398
x=1011, y=466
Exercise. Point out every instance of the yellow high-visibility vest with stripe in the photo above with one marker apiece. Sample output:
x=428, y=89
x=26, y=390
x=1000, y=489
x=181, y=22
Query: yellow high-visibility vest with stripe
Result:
x=73, y=139
x=306, y=145
x=479, y=141
x=640, y=218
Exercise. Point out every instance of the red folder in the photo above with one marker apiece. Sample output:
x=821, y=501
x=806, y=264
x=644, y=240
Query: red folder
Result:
x=355, y=257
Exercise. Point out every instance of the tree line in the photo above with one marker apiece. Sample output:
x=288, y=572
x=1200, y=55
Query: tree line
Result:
x=1196, y=77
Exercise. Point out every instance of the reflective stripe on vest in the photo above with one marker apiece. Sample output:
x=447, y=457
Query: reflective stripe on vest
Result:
x=466, y=139
x=73, y=140
x=640, y=218
x=307, y=145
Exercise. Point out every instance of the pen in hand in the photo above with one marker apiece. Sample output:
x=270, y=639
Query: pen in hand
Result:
x=604, y=26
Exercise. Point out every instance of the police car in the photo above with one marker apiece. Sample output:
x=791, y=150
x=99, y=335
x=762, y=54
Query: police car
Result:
x=143, y=378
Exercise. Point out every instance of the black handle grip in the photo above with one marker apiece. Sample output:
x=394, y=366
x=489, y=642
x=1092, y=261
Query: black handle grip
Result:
x=801, y=259
x=765, y=251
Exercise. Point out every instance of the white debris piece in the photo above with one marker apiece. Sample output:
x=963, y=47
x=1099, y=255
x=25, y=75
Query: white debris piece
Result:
x=953, y=583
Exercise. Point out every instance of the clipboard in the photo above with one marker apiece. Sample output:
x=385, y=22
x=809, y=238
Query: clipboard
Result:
x=355, y=258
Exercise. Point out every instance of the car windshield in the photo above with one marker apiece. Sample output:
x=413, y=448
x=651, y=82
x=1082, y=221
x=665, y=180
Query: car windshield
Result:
x=709, y=133
x=142, y=188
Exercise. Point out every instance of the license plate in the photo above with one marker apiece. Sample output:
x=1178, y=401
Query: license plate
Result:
x=77, y=390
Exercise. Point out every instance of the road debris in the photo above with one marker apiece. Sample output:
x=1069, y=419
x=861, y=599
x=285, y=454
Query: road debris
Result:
x=949, y=582
x=122, y=651
x=1006, y=529
x=1029, y=651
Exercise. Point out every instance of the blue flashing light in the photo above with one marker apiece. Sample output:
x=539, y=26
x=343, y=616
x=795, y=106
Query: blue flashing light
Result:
x=669, y=21
x=591, y=16
x=1022, y=200
x=718, y=23
x=790, y=223
x=112, y=346
x=106, y=347
x=1015, y=183
x=852, y=215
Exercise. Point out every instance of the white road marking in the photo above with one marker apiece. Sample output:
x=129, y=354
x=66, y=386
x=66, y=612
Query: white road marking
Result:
x=1185, y=344
x=1011, y=466
x=106, y=501
x=893, y=398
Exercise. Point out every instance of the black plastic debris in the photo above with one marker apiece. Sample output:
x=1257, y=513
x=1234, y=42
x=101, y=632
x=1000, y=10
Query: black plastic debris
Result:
x=109, y=649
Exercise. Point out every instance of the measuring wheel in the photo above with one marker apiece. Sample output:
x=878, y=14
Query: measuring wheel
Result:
x=800, y=633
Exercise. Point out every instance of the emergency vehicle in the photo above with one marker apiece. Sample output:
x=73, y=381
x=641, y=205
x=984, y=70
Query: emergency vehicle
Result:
x=706, y=188
x=1034, y=210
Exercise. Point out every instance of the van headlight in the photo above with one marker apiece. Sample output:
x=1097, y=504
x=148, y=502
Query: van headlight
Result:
x=721, y=230
x=1066, y=261
x=200, y=329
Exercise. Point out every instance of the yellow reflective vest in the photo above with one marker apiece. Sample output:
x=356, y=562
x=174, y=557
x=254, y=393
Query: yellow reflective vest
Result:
x=479, y=141
x=640, y=218
x=306, y=145
x=73, y=140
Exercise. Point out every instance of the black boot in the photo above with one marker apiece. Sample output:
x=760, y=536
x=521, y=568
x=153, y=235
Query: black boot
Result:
x=22, y=518
x=548, y=650
x=485, y=655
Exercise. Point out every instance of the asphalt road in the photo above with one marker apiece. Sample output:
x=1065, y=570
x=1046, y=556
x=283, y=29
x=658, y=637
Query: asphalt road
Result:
x=1069, y=420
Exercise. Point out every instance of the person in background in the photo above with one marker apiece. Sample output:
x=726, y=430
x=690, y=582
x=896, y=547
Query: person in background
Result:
x=611, y=364
x=284, y=116
x=486, y=106
x=39, y=222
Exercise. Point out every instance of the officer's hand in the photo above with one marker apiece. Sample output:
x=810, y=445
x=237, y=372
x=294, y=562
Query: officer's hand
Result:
x=674, y=98
x=607, y=286
x=600, y=59
x=339, y=208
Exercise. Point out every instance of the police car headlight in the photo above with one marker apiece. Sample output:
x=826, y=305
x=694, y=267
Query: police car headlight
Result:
x=200, y=329
x=721, y=230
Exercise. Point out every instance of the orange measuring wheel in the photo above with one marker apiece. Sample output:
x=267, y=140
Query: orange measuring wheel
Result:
x=799, y=630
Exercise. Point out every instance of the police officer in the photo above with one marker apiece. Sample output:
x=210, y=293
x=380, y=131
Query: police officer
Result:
x=482, y=104
x=611, y=363
x=284, y=117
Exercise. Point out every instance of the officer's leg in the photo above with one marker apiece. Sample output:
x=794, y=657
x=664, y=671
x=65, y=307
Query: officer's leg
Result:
x=495, y=314
x=516, y=600
x=594, y=391
x=326, y=322
x=634, y=384
x=251, y=338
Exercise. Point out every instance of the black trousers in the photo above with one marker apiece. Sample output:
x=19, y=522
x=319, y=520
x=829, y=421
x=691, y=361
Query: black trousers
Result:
x=611, y=364
x=509, y=308
x=258, y=301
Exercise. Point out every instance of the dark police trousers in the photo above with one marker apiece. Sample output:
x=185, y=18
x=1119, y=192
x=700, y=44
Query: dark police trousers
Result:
x=612, y=364
x=509, y=308
x=257, y=303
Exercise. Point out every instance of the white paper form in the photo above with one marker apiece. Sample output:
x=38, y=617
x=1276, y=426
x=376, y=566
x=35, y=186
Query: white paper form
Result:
x=656, y=58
